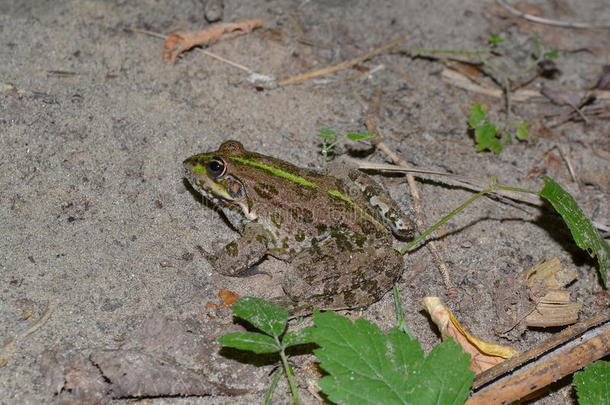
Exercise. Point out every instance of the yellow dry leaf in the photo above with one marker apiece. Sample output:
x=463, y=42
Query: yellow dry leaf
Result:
x=484, y=355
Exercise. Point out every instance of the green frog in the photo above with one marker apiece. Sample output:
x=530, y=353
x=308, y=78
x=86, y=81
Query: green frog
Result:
x=333, y=228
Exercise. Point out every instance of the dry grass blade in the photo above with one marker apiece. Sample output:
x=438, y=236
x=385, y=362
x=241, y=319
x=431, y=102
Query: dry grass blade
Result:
x=343, y=65
x=540, y=20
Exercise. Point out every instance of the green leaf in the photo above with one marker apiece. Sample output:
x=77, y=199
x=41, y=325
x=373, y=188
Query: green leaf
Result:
x=298, y=337
x=593, y=384
x=252, y=341
x=522, y=131
x=485, y=133
x=584, y=233
x=361, y=136
x=327, y=134
x=266, y=316
x=366, y=366
x=404, y=351
x=495, y=39
x=552, y=54
x=444, y=378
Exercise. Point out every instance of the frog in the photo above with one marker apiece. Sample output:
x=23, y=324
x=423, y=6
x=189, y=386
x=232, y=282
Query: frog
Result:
x=334, y=228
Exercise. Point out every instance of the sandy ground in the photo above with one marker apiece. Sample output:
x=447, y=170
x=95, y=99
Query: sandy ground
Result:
x=95, y=219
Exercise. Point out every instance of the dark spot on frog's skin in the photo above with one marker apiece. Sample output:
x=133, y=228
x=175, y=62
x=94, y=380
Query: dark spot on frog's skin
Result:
x=367, y=227
x=359, y=239
x=370, y=192
x=369, y=285
x=232, y=249
x=277, y=219
x=300, y=236
x=350, y=298
x=306, y=193
x=352, y=175
x=300, y=214
x=321, y=228
x=261, y=239
x=344, y=245
x=266, y=191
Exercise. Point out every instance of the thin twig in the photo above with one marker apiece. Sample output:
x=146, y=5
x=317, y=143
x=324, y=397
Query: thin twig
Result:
x=566, y=157
x=565, y=24
x=344, y=65
x=369, y=121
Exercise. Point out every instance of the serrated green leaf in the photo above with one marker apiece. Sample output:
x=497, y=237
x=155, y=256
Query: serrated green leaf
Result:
x=485, y=133
x=354, y=355
x=298, y=337
x=404, y=351
x=266, y=316
x=584, y=233
x=361, y=136
x=495, y=39
x=252, y=341
x=444, y=378
x=593, y=384
x=366, y=366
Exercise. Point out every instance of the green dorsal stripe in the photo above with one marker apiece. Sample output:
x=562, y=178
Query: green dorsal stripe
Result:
x=277, y=172
x=304, y=182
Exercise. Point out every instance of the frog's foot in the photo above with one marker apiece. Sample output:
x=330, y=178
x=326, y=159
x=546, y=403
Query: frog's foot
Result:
x=328, y=278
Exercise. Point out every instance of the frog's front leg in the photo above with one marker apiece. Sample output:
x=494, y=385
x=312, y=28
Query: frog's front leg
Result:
x=332, y=276
x=238, y=256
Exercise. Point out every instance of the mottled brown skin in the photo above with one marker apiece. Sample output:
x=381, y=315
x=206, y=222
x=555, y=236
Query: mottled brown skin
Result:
x=334, y=228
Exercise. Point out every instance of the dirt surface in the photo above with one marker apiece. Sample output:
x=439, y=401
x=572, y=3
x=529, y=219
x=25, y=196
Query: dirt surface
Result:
x=96, y=221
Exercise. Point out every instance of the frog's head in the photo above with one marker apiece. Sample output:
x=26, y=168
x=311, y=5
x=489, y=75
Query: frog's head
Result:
x=211, y=174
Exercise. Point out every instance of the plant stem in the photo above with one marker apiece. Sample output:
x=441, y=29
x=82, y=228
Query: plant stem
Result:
x=276, y=378
x=444, y=219
x=289, y=373
x=400, y=319
x=447, y=217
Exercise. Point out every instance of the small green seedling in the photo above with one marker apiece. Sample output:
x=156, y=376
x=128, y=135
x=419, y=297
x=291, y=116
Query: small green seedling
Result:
x=271, y=320
x=494, y=39
x=330, y=139
x=486, y=133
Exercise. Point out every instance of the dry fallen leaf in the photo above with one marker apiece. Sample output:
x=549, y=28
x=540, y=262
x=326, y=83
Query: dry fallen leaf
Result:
x=227, y=297
x=554, y=307
x=484, y=354
x=175, y=44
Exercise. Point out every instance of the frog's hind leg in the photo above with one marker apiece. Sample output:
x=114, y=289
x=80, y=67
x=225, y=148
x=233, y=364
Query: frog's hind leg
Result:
x=386, y=209
x=328, y=278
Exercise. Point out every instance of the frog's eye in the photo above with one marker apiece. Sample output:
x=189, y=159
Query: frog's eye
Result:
x=235, y=189
x=216, y=167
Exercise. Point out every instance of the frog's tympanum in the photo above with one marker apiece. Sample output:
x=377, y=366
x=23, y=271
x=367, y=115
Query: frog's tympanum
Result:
x=334, y=228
